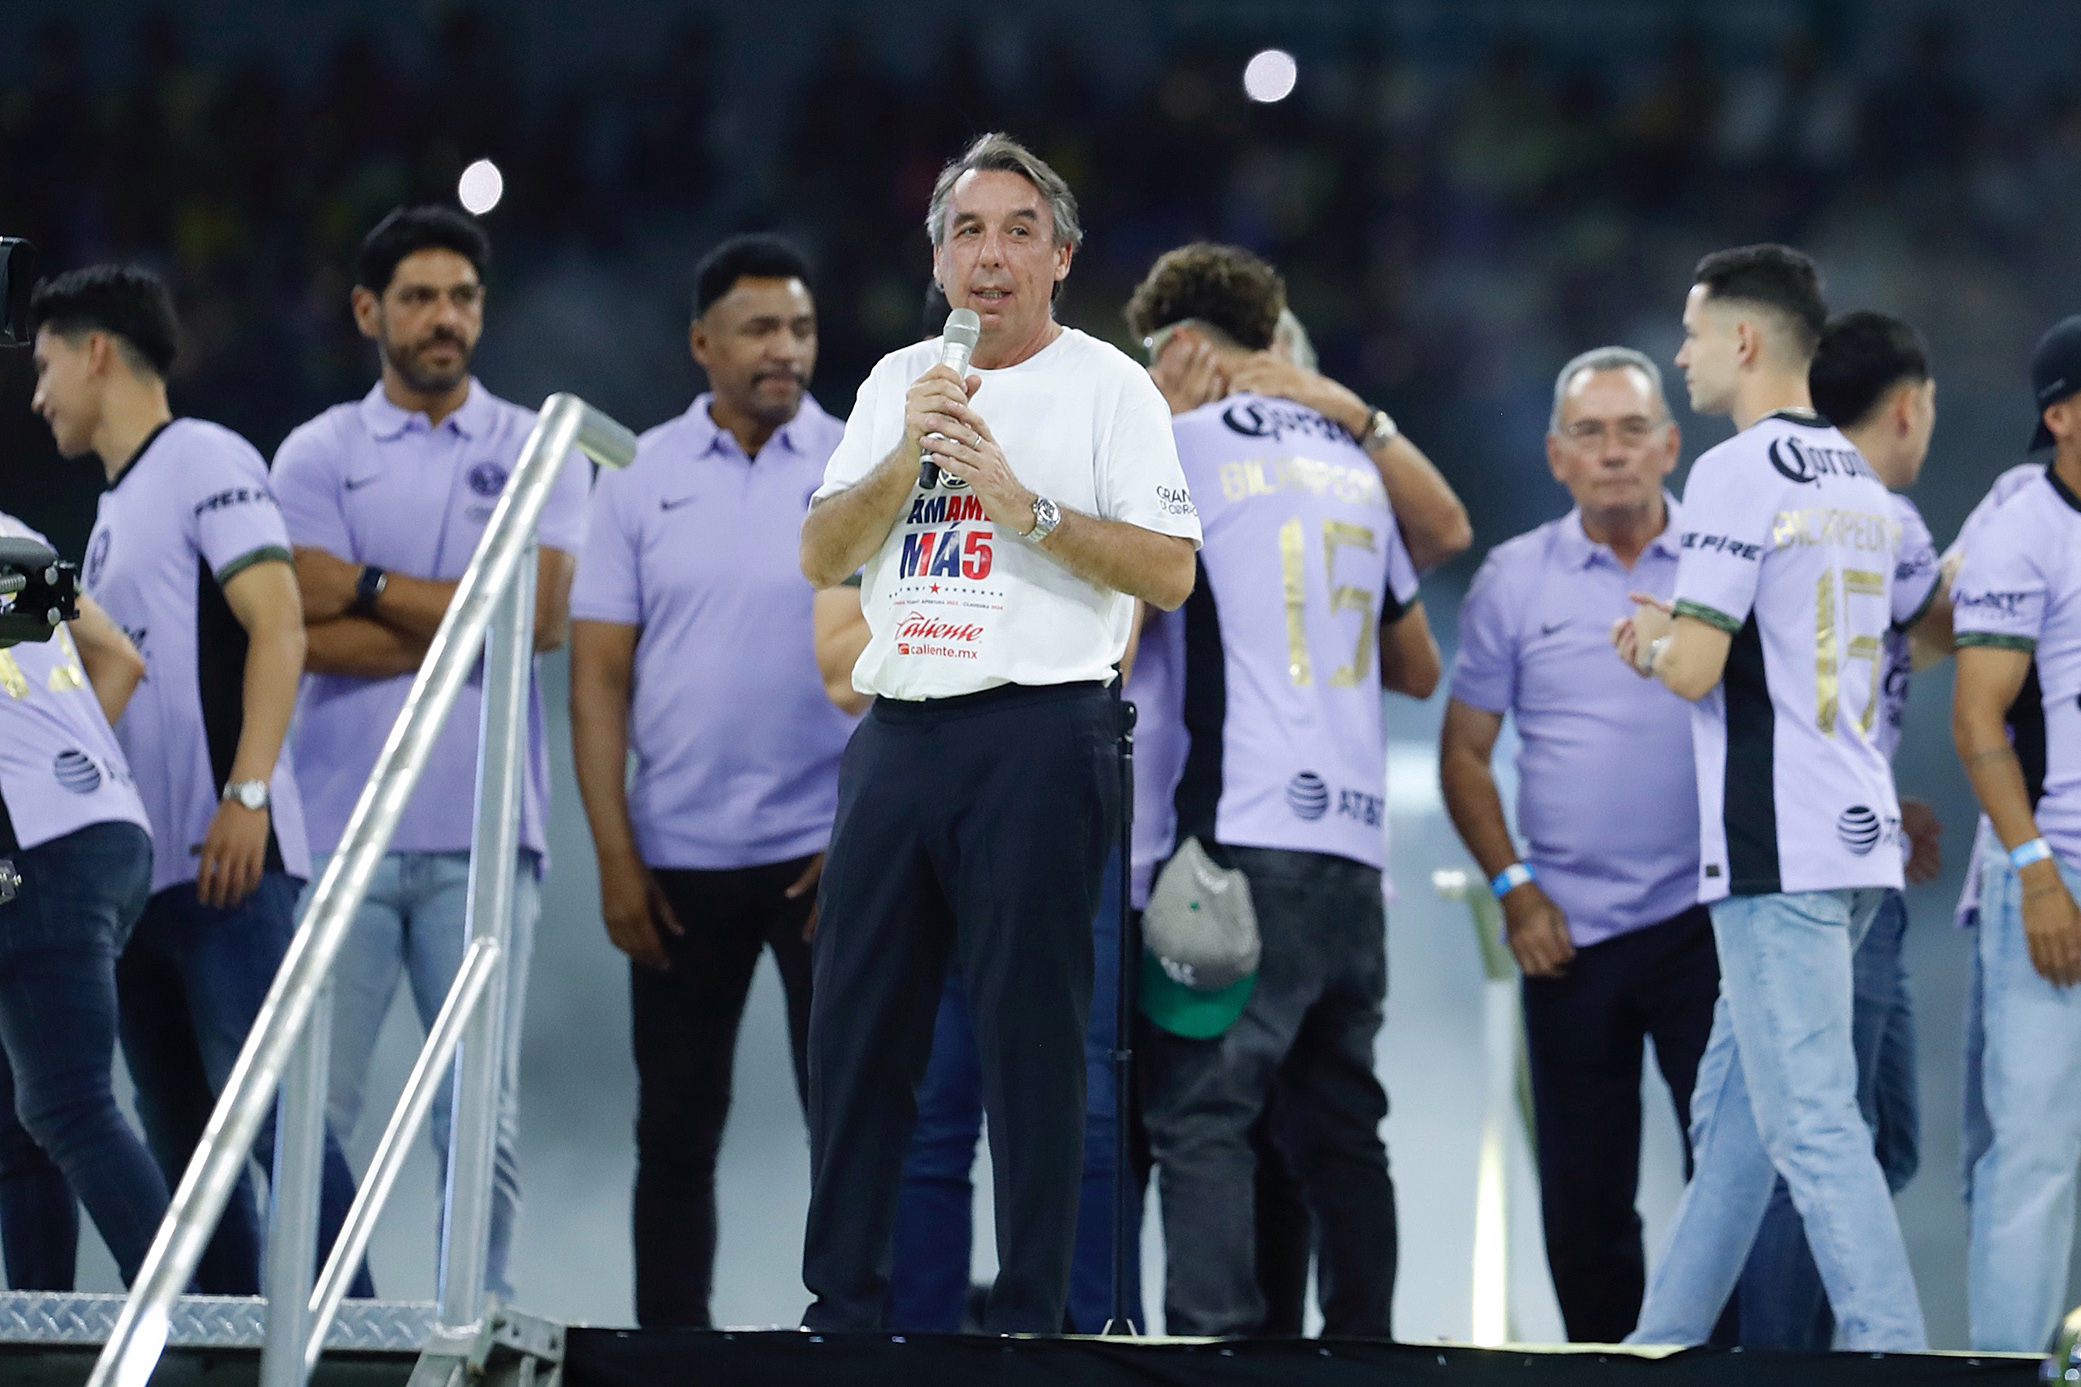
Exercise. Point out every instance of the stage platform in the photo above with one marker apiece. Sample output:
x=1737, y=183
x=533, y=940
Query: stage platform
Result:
x=783, y=1358
x=655, y=1358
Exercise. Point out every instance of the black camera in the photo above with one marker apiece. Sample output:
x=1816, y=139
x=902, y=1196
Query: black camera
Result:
x=37, y=591
x=17, y=278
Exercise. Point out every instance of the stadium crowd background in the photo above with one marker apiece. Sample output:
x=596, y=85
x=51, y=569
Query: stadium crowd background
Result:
x=1461, y=196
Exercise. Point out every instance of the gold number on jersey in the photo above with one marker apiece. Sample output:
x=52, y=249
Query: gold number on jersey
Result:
x=1829, y=653
x=1345, y=597
x=11, y=679
x=67, y=674
x=1293, y=574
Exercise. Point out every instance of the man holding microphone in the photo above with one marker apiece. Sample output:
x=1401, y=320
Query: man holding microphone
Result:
x=978, y=800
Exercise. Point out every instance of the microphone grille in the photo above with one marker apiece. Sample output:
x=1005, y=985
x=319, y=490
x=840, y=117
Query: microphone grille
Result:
x=964, y=326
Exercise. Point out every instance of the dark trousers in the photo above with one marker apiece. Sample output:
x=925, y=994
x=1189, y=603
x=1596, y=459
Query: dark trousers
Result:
x=61, y=1132
x=191, y=982
x=1782, y=1301
x=1306, y=1035
x=975, y=829
x=935, y=1234
x=1584, y=1034
x=684, y=1027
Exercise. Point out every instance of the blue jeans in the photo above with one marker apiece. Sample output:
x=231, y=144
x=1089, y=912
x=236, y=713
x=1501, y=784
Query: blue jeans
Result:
x=414, y=924
x=1777, y=1094
x=191, y=981
x=1783, y=1304
x=61, y=1132
x=928, y=1276
x=2023, y=1183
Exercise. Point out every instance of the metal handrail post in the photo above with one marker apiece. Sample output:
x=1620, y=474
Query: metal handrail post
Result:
x=139, y=1336
x=509, y=657
x=294, y=1192
x=429, y=1072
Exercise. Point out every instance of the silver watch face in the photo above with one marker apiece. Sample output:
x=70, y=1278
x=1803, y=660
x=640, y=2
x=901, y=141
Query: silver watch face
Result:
x=251, y=793
x=1046, y=516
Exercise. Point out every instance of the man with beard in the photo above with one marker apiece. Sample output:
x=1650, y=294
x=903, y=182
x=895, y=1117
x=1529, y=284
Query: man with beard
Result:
x=386, y=498
x=690, y=612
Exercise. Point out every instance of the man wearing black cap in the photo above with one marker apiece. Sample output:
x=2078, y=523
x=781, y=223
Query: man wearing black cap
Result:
x=2017, y=613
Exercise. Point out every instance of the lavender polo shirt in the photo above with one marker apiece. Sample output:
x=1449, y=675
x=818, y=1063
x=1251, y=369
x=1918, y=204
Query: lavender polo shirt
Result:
x=190, y=513
x=60, y=767
x=736, y=744
x=374, y=484
x=1607, y=800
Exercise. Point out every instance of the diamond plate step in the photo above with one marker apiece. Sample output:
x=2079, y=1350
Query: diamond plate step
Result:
x=41, y=1317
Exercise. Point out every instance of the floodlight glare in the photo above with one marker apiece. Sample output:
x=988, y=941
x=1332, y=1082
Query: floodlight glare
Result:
x=1270, y=76
x=481, y=186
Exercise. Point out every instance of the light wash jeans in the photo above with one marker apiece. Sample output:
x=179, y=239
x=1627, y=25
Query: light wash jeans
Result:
x=2022, y=1185
x=1777, y=1093
x=413, y=925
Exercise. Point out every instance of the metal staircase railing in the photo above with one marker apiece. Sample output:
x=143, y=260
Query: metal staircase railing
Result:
x=493, y=611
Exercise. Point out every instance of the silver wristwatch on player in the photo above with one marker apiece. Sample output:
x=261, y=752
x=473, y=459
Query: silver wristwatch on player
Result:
x=1046, y=516
x=251, y=793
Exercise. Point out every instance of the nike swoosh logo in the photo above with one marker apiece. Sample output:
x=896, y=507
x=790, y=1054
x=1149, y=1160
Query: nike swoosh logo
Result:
x=674, y=505
x=1551, y=627
x=357, y=483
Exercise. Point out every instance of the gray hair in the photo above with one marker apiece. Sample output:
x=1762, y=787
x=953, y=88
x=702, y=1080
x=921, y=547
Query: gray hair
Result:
x=1292, y=338
x=999, y=152
x=1606, y=359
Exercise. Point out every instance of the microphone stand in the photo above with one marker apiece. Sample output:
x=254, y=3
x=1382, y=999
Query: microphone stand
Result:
x=1127, y=1210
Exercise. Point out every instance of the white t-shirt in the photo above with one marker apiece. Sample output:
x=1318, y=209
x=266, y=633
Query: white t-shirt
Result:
x=1790, y=544
x=956, y=605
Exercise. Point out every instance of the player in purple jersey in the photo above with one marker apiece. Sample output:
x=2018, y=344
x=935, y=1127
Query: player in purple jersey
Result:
x=1870, y=377
x=688, y=610
x=1302, y=573
x=386, y=499
x=188, y=554
x=72, y=824
x=2017, y=607
x=1601, y=910
x=1783, y=597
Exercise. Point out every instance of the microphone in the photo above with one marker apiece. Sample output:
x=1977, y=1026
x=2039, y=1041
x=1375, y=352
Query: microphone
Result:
x=957, y=344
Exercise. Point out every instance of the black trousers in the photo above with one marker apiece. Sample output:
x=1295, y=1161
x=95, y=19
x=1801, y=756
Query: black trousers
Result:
x=974, y=828
x=1584, y=1034
x=684, y=1028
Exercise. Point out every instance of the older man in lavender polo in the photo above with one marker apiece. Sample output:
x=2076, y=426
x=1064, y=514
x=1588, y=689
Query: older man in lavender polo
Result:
x=386, y=499
x=691, y=644
x=1602, y=909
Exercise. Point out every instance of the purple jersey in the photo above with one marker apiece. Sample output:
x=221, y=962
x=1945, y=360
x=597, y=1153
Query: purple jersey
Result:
x=2027, y=705
x=2020, y=589
x=1790, y=543
x=1280, y=695
x=191, y=512
x=1607, y=795
x=60, y=766
x=1914, y=571
x=736, y=745
x=371, y=483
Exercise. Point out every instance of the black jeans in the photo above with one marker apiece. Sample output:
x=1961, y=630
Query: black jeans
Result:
x=1584, y=1034
x=684, y=1028
x=59, y=939
x=1306, y=1035
x=975, y=827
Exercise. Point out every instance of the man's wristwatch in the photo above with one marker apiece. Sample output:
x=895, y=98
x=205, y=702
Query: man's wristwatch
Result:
x=250, y=793
x=1046, y=516
x=1381, y=430
x=368, y=587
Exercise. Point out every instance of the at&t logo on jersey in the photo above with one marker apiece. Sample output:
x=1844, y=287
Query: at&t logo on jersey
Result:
x=1861, y=829
x=1310, y=798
